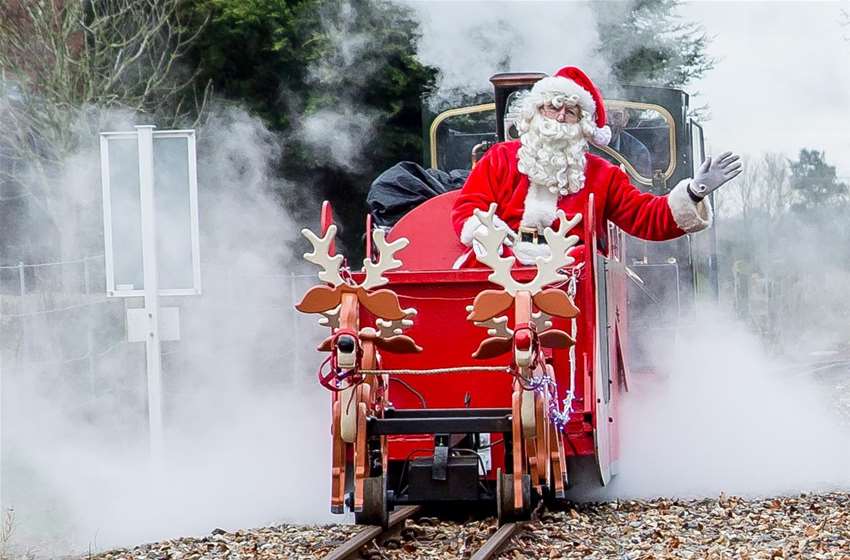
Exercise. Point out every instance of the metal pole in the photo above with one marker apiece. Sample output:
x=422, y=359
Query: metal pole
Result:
x=2, y=503
x=151, y=292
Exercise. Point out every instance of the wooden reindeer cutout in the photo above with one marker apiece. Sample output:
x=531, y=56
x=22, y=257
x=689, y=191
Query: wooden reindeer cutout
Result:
x=354, y=347
x=536, y=442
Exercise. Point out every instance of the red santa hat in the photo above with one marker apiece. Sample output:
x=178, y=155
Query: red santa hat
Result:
x=571, y=81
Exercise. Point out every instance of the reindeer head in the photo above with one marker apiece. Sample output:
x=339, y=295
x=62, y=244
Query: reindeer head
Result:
x=339, y=302
x=532, y=329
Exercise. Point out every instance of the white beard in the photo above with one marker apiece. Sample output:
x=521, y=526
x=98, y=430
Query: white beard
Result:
x=552, y=156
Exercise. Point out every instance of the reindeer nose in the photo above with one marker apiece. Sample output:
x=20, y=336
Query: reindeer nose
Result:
x=522, y=340
x=346, y=344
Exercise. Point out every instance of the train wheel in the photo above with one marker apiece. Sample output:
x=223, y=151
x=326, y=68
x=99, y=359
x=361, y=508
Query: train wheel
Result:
x=555, y=500
x=375, y=508
x=505, y=510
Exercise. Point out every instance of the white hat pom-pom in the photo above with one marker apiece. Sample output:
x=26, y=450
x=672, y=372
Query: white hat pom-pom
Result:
x=601, y=136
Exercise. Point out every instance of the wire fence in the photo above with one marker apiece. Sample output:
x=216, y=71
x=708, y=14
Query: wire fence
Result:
x=58, y=329
x=77, y=276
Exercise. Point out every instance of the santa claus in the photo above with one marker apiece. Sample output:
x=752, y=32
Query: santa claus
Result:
x=549, y=168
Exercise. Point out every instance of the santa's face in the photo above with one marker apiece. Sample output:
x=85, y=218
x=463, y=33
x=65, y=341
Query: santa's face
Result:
x=552, y=152
x=561, y=112
x=553, y=132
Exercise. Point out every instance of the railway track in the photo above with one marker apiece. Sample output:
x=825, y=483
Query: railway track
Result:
x=350, y=549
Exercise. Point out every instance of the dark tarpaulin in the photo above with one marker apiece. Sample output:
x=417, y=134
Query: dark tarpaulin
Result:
x=406, y=185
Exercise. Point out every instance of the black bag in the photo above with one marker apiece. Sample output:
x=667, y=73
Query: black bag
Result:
x=406, y=185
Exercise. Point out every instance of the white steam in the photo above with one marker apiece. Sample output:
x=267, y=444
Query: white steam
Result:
x=337, y=135
x=723, y=415
x=470, y=41
x=241, y=411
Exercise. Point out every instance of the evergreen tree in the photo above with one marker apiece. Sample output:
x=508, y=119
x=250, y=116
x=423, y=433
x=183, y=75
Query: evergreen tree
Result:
x=647, y=43
x=815, y=184
x=339, y=79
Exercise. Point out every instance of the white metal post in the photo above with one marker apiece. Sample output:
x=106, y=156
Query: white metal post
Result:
x=151, y=296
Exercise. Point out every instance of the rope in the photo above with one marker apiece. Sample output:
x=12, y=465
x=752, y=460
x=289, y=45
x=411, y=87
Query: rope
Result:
x=437, y=371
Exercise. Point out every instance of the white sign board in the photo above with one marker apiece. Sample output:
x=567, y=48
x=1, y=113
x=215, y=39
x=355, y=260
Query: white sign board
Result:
x=174, y=223
x=150, y=224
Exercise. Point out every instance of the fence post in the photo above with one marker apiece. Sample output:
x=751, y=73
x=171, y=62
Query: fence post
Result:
x=22, y=278
x=90, y=361
x=86, y=275
x=296, y=342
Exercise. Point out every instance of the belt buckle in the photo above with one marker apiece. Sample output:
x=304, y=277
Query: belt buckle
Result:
x=525, y=232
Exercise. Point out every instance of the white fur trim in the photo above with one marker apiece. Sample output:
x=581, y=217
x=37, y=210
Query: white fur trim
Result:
x=540, y=207
x=527, y=252
x=461, y=260
x=468, y=230
x=601, y=136
x=690, y=216
x=559, y=84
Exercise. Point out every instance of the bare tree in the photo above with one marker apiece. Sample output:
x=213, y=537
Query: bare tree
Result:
x=776, y=198
x=65, y=64
x=762, y=190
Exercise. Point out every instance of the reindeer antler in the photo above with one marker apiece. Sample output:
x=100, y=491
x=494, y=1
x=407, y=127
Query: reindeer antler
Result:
x=321, y=256
x=491, y=242
x=496, y=326
x=547, y=267
x=541, y=321
x=386, y=260
x=330, y=318
x=393, y=328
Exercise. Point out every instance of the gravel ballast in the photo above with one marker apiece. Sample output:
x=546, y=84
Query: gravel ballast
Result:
x=806, y=526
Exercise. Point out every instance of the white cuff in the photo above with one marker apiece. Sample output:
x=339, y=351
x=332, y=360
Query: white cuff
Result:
x=467, y=232
x=690, y=216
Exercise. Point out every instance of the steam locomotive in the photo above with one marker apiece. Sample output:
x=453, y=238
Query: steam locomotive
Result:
x=490, y=385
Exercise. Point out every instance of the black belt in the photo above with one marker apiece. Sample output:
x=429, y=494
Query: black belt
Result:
x=529, y=235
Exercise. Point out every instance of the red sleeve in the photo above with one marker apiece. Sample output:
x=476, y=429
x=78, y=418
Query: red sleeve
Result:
x=640, y=214
x=478, y=191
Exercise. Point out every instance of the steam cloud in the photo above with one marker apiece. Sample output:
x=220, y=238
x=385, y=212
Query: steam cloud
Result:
x=239, y=410
x=470, y=41
x=723, y=415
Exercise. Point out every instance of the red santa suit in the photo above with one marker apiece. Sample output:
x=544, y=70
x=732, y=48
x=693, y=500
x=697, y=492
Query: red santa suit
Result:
x=497, y=178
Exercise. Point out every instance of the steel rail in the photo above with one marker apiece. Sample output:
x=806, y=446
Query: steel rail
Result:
x=496, y=541
x=490, y=549
x=352, y=546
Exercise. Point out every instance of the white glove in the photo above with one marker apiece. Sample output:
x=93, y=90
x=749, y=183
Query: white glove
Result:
x=473, y=225
x=713, y=174
x=526, y=252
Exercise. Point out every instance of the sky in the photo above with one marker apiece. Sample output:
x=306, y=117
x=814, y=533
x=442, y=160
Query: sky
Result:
x=782, y=81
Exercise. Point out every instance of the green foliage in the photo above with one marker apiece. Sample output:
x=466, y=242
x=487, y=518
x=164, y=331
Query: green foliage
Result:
x=815, y=184
x=647, y=43
x=293, y=62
